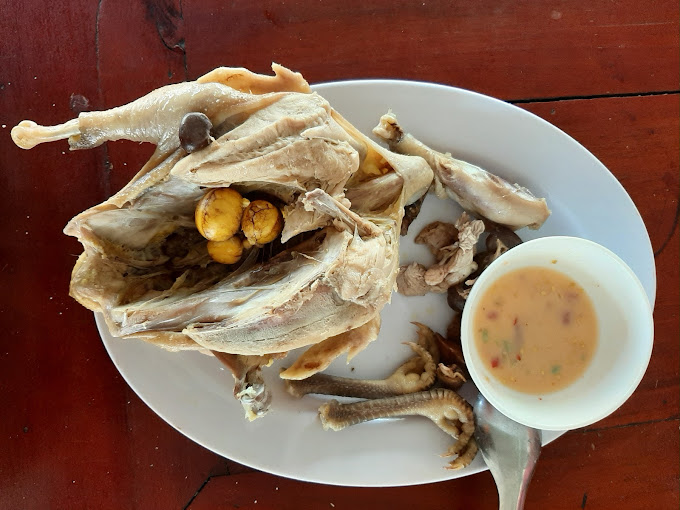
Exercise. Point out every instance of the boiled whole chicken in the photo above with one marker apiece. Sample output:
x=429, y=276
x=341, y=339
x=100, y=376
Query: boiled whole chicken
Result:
x=146, y=268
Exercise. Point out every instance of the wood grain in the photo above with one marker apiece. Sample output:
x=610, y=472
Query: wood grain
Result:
x=583, y=459
x=507, y=49
x=636, y=139
x=73, y=435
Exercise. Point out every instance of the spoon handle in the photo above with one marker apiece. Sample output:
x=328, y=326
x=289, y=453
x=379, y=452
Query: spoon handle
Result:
x=513, y=496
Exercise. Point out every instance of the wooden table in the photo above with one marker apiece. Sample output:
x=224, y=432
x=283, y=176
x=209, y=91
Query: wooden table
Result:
x=72, y=433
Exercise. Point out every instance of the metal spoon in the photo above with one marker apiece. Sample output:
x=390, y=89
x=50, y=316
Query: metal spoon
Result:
x=509, y=449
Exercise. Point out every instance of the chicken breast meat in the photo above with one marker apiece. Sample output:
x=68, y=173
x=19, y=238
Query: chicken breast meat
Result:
x=146, y=268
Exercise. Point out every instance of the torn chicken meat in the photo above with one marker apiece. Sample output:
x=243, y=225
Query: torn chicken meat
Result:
x=319, y=356
x=475, y=189
x=455, y=262
x=499, y=240
x=436, y=236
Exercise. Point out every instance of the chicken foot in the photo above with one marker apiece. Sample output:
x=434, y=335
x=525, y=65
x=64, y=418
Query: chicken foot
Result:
x=448, y=410
x=416, y=374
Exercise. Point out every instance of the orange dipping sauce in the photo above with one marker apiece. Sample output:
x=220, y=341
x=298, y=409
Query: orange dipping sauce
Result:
x=536, y=330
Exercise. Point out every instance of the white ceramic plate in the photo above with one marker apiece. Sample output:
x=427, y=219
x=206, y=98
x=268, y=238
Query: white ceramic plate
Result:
x=193, y=393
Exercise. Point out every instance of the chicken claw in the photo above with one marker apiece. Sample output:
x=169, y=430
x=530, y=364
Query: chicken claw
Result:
x=416, y=374
x=448, y=410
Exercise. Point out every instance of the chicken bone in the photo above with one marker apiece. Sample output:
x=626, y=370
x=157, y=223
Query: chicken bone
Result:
x=450, y=376
x=249, y=387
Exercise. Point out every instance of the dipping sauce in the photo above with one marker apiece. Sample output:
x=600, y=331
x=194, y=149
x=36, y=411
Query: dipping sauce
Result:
x=535, y=329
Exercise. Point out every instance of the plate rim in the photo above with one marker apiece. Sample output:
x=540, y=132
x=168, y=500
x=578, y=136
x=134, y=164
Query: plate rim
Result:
x=373, y=82
x=651, y=293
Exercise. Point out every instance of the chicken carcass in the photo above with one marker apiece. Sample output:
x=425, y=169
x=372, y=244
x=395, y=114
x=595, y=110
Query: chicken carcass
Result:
x=146, y=268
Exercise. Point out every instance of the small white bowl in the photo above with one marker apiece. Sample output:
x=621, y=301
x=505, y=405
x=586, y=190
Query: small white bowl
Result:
x=624, y=347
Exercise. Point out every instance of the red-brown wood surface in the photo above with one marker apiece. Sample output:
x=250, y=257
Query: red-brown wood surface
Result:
x=72, y=433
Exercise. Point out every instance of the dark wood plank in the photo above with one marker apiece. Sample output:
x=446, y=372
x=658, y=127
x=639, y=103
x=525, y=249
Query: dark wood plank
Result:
x=140, y=49
x=637, y=140
x=506, y=49
x=592, y=470
x=604, y=466
x=51, y=378
x=75, y=436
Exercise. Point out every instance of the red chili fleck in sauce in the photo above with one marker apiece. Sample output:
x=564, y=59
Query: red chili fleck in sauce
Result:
x=519, y=357
x=493, y=314
x=514, y=323
x=494, y=362
x=566, y=318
